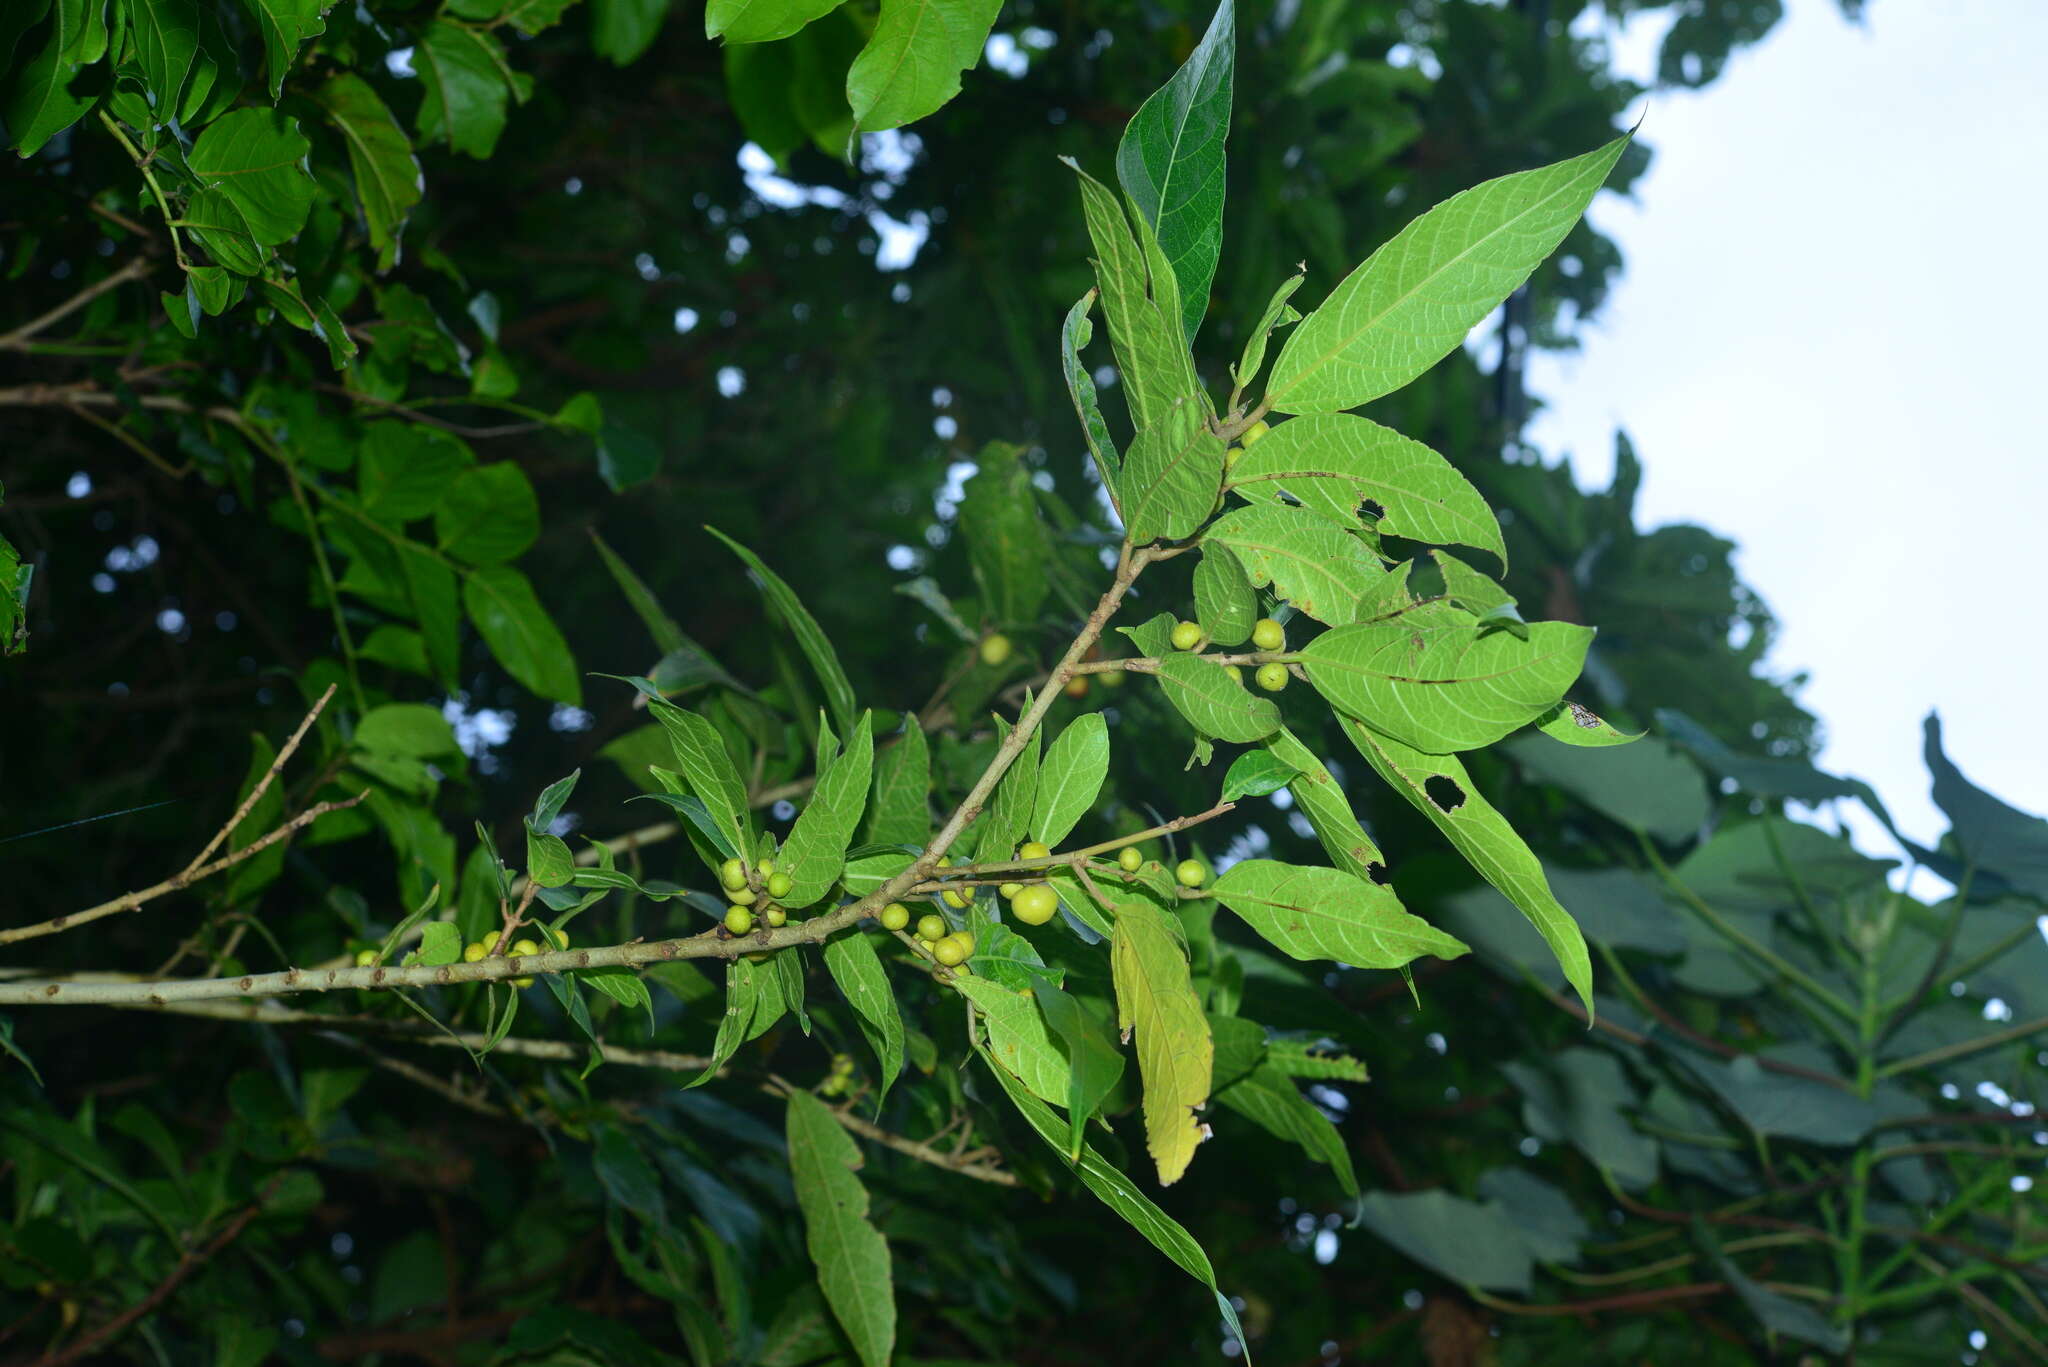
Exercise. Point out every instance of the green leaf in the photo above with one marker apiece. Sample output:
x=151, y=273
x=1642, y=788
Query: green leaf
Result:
x=521, y=635
x=1337, y=463
x=1002, y=956
x=1279, y=313
x=1988, y=835
x=1075, y=334
x=251, y=157
x=1319, y=567
x=1493, y=605
x=440, y=943
x=1304, y=1058
x=1215, y=703
x=1171, y=475
x=1412, y=301
x=53, y=89
x=809, y=635
x=901, y=810
x=1439, y=788
x=1269, y=1098
x=1433, y=681
x=622, y=30
x=1007, y=543
x=815, y=852
x=404, y=470
x=1170, y=162
x=1582, y=1097
x=387, y=175
x=1151, y=351
x=761, y=21
x=548, y=861
x=851, y=1256
x=707, y=764
x=1779, y=1104
x=1312, y=913
x=913, y=59
x=1156, y=999
x=1018, y=1036
x=1648, y=787
x=1322, y=800
x=488, y=515
x=285, y=24
x=528, y=16
x=1094, y=1065
x=431, y=585
x=1008, y=816
x=166, y=42
x=1471, y=1243
x=753, y=1002
x=668, y=637
x=411, y=729
x=1119, y=1193
x=857, y=970
x=466, y=82
x=1255, y=773
x=1779, y=1314
x=1070, y=779
x=1224, y=604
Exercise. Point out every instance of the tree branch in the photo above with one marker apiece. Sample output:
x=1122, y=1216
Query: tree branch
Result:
x=17, y=340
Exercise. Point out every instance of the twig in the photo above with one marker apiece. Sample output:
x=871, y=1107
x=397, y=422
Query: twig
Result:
x=290, y=748
x=133, y=270
x=510, y=429
x=1081, y=856
x=923, y=1153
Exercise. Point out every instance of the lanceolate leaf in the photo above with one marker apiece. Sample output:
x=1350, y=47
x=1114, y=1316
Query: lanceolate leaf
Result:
x=48, y=93
x=901, y=812
x=1322, y=800
x=1339, y=463
x=1018, y=1037
x=1279, y=313
x=1152, y=353
x=1433, y=680
x=668, y=637
x=1007, y=542
x=1414, y=299
x=1075, y=334
x=1214, y=703
x=380, y=157
x=1002, y=828
x=913, y=59
x=166, y=41
x=1156, y=1000
x=857, y=969
x=809, y=635
x=285, y=24
x=1070, y=778
x=1093, y=1064
x=1269, y=1098
x=1172, y=473
x=1224, y=604
x=1312, y=563
x=1170, y=162
x=816, y=849
x=1316, y=913
x=1439, y=788
x=705, y=762
x=851, y=1255
x=1256, y=773
x=520, y=633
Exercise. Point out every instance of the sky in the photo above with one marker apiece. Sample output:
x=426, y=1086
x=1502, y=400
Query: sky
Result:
x=1828, y=345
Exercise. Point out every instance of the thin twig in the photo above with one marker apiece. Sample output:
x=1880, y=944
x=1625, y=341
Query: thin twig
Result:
x=133, y=270
x=289, y=749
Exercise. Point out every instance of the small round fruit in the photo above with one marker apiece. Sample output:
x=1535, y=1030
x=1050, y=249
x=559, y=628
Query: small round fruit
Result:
x=1009, y=890
x=1254, y=433
x=945, y=861
x=1034, y=849
x=1129, y=859
x=895, y=916
x=523, y=947
x=739, y=920
x=1272, y=676
x=774, y=915
x=1076, y=687
x=732, y=875
x=765, y=867
x=1232, y=456
x=1236, y=674
x=1111, y=679
x=473, y=951
x=779, y=884
x=930, y=927
x=563, y=936
x=1268, y=634
x=948, y=952
x=955, y=900
x=965, y=941
x=365, y=957
x=490, y=941
x=1192, y=873
x=758, y=956
x=995, y=649
x=1186, y=635
x=741, y=896
x=1036, y=904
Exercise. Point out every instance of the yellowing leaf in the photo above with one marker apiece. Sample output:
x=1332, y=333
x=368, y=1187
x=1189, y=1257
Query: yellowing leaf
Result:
x=1156, y=999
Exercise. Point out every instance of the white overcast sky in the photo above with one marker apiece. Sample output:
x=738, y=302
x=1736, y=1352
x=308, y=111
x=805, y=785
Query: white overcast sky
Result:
x=1829, y=345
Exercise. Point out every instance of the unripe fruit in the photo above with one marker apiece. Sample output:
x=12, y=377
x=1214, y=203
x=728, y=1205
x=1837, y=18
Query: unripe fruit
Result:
x=953, y=899
x=1036, y=904
x=732, y=875
x=1272, y=676
x=1268, y=634
x=521, y=947
x=1232, y=456
x=779, y=884
x=1186, y=635
x=1192, y=873
x=948, y=952
x=895, y=916
x=473, y=951
x=965, y=941
x=1236, y=674
x=963, y=969
x=758, y=956
x=930, y=927
x=365, y=957
x=563, y=936
x=995, y=649
x=1112, y=679
x=742, y=896
x=1009, y=890
x=774, y=915
x=1128, y=859
x=490, y=941
x=739, y=920
x=1255, y=432
x=1076, y=687
x=765, y=867
x=1033, y=849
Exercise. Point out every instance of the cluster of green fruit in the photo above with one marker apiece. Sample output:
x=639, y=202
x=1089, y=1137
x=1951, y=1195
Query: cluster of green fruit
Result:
x=752, y=892
x=840, y=1080
x=1267, y=635
x=952, y=948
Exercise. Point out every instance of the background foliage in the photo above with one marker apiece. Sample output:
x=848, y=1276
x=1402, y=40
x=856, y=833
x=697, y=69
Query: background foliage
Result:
x=597, y=291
